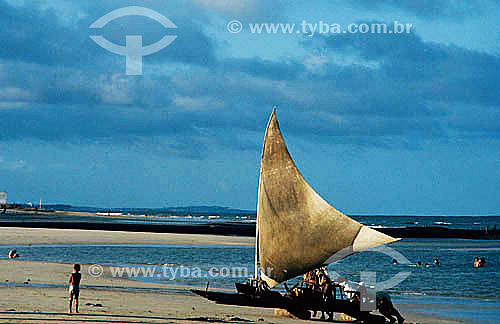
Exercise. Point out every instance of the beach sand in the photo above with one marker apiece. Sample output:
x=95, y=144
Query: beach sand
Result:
x=33, y=236
x=36, y=292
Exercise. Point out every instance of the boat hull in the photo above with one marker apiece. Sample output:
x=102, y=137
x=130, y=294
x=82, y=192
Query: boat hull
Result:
x=244, y=299
x=299, y=307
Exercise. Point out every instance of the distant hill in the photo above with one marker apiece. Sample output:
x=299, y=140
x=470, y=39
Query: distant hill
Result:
x=209, y=210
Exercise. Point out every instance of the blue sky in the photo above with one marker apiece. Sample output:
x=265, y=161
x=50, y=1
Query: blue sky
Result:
x=377, y=123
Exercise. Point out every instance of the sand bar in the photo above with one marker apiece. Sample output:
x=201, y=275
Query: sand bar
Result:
x=33, y=236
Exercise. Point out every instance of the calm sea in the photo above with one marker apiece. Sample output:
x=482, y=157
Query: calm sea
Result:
x=378, y=221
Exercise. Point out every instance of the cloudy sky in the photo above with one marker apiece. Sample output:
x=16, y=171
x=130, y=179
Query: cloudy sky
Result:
x=377, y=123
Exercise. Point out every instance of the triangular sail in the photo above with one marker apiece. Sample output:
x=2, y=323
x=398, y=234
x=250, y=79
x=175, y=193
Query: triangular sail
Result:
x=297, y=230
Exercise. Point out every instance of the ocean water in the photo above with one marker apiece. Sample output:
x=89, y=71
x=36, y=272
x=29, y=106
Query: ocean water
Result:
x=454, y=277
x=376, y=221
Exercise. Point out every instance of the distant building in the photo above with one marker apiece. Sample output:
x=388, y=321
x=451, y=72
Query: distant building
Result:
x=3, y=197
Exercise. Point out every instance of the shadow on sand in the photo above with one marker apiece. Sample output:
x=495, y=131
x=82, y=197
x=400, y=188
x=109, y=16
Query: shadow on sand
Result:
x=109, y=318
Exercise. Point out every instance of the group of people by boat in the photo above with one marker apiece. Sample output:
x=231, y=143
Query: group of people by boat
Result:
x=317, y=280
x=320, y=285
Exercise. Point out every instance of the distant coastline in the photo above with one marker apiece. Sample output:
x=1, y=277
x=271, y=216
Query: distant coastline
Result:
x=37, y=211
x=46, y=212
x=63, y=209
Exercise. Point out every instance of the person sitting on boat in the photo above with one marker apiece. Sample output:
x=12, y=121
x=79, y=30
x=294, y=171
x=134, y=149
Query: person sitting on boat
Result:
x=321, y=278
x=320, y=274
x=307, y=276
x=13, y=254
x=311, y=280
x=325, y=283
x=386, y=308
x=262, y=287
x=436, y=262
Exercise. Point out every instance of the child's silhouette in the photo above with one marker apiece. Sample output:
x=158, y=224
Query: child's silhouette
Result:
x=74, y=288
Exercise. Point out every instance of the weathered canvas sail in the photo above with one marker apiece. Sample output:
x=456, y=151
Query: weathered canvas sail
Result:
x=297, y=230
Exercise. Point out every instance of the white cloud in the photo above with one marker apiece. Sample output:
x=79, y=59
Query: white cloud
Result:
x=13, y=98
x=12, y=165
x=116, y=90
x=13, y=105
x=244, y=9
x=199, y=103
x=13, y=94
x=228, y=6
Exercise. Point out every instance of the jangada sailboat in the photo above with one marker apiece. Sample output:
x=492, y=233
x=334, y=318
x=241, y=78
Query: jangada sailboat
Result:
x=297, y=231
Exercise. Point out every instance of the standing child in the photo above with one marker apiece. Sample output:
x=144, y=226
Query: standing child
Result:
x=74, y=288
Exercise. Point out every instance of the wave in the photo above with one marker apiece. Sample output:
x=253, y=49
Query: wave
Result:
x=376, y=226
x=476, y=249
